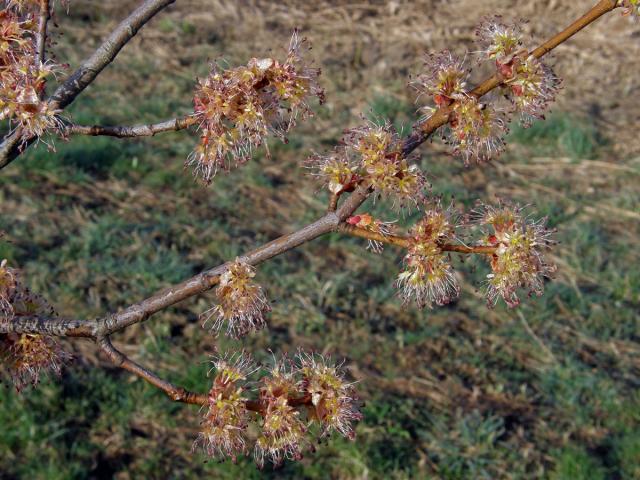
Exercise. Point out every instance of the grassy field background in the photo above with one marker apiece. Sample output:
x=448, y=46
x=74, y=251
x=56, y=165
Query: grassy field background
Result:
x=548, y=390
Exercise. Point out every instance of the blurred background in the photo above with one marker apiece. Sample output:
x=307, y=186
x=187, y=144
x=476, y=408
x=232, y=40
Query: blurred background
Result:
x=548, y=390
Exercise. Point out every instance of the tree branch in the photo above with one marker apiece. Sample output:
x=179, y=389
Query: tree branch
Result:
x=107, y=52
x=123, y=131
x=204, y=281
x=200, y=283
x=43, y=20
x=56, y=326
x=177, y=394
x=405, y=242
x=14, y=144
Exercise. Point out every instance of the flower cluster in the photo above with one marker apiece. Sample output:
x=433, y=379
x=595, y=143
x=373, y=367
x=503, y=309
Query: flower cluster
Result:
x=283, y=431
x=476, y=130
x=313, y=383
x=428, y=276
x=372, y=154
x=531, y=85
x=23, y=76
x=237, y=108
x=444, y=79
x=331, y=396
x=25, y=357
x=532, y=88
x=227, y=416
x=337, y=171
x=373, y=225
x=8, y=286
x=25, y=5
x=499, y=40
x=242, y=303
x=518, y=261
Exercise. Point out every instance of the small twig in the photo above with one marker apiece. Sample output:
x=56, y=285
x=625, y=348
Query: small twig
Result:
x=124, y=131
x=41, y=40
x=441, y=116
x=333, y=202
x=177, y=394
x=405, y=242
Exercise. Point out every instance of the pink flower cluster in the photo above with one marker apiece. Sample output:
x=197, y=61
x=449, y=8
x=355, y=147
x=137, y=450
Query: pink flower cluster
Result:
x=23, y=76
x=25, y=357
x=312, y=382
x=238, y=108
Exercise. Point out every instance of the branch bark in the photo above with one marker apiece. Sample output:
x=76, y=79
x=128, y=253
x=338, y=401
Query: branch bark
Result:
x=176, y=393
x=43, y=20
x=405, y=242
x=148, y=130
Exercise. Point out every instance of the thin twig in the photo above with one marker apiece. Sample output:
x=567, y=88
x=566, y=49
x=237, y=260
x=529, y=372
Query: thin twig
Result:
x=441, y=116
x=123, y=131
x=405, y=242
x=41, y=40
x=333, y=202
x=177, y=394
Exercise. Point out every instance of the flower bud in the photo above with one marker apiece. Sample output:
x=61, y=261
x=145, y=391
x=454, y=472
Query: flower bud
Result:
x=444, y=79
x=498, y=40
x=519, y=260
x=533, y=87
x=370, y=224
x=226, y=419
x=333, y=398
x=428, y=276
x=283, y=433
x=476, y=130
x=337, y=171
x=631, y=8
x=378, y=150
x=7, y=290
x=27, y=357
x=242, y=303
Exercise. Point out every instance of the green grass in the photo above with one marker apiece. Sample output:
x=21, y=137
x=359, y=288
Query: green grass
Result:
x=561, y=133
